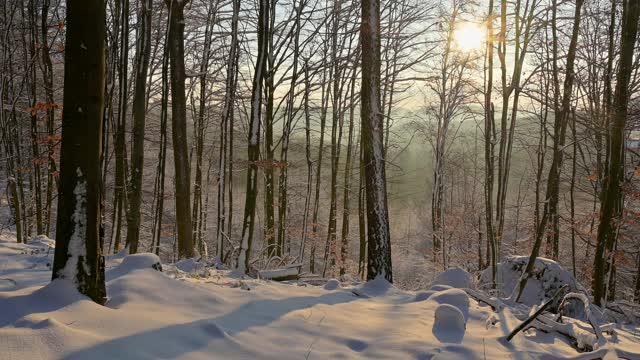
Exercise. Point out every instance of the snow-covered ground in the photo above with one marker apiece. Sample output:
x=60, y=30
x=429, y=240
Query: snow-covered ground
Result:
x=173, y=315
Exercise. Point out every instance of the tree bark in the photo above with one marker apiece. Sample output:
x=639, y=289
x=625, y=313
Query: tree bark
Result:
x=179, y=130
x=379, y=242
x=610, y=212
x=225, y=133
x=139, y=115
x=79, y=234
x=253, y=148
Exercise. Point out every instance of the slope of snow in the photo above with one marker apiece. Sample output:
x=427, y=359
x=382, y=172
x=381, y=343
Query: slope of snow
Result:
x=171, y=315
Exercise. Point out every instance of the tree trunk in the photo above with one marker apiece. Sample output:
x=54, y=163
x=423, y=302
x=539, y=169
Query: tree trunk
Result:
x=610, y=212
x=316, y=203
x=139, y=114
x=346, y=202
x=79, y=234
x=158, y=188
x=253, y=148
x=179, y=130
x=307, y=133
x=269, y=191
x=379, y=242
x=120, y=192
x=362, y=222
x=489, y=144
x=336, y=137
x=47, y=79
x=225, y=131
x=283, y=203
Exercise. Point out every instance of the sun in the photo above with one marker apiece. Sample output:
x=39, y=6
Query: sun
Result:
x=469, y=37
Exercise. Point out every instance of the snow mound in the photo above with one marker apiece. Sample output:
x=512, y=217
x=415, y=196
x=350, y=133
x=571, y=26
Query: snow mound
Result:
x=120, y=255
x=42, y=241
x=28, y=306
x=454, y=277
x=449, y=324
x=332, y=284
x=190, y=265
x=548, y=277
x=136, y=262
x=454, y=297
x=376, y=287
x=438, y=287
x=424, y=295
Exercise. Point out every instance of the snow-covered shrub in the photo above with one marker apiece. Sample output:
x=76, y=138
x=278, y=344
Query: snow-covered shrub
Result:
x=548, y=277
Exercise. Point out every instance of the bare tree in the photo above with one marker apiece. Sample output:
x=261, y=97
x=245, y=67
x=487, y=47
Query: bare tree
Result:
x=79, y=233
x=179, y=128
x=378, y=231
x=253, y=148
x=609, y=209
x=143, y=56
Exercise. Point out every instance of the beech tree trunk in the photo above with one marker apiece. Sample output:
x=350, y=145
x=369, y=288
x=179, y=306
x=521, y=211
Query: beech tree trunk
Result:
x=47, y=78
x=253, y=148
x=379, y=238
x=179, y=130
x=610, y=212
x=225, y=135
x=139, y=114
x=119, y=143
x=79, y=233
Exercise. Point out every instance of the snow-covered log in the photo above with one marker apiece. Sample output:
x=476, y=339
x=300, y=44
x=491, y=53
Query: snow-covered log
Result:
x=288, y=273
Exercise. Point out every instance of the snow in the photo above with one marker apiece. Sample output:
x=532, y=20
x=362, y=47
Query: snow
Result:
x=135, y=262
x=439, y=287
x=332, y=284
x=76, y=249
x=189, y=265
x=454, y=297
x=449, y=324
x=176, y=315
x=548, y=277
x=454, y=277
x=424, y=295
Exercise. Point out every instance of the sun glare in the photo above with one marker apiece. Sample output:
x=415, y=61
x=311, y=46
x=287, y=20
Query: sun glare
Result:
x=469, y=37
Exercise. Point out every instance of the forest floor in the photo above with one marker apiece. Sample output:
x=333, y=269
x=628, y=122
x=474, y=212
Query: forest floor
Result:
x=177, y=315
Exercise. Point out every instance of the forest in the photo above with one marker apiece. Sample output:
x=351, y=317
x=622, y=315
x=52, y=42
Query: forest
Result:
x=474, y=160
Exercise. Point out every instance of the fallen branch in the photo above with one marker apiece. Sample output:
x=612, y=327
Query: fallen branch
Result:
x=587, y=310
x=537, y=313
x=495, y=304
